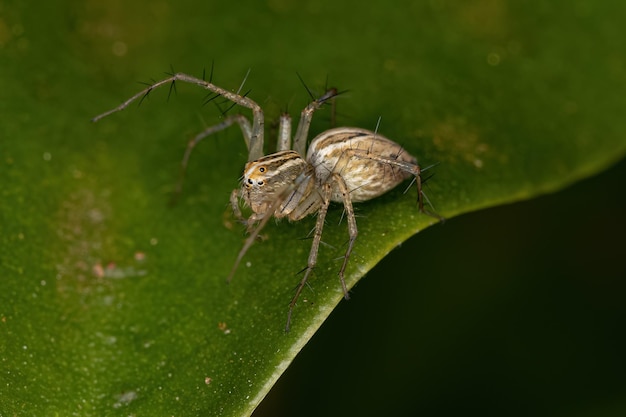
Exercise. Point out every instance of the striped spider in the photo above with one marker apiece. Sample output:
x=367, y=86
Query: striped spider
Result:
x=344, y=165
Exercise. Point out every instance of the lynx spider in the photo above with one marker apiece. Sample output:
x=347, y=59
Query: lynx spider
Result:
x=345, y=164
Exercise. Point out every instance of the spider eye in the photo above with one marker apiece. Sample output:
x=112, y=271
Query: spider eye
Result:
x=260, y=182
x=261, y=169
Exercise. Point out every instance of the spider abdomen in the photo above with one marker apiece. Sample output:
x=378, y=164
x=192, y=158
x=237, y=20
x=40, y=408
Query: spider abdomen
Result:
x=359, y=156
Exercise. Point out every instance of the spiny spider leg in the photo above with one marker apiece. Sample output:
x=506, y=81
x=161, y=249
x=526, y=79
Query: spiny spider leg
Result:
x=256, y=138
x=299, y=141
x=246, y=130
x=413, y=169
x=317, y=237
x=352, y=228
x=256, y=230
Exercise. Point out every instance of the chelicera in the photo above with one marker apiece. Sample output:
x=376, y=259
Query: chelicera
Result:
x=344, y=165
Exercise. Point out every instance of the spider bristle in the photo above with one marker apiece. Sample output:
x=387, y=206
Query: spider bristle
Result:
x=304, y=270
x=425, y=179
x=377, y=125
x=430, y=166
x=339, y=93
x=219, y=107
x=172, y=88
x=399, y=154
x=229, y=108
x=306, y=87
x=149, y=84
x=413, y=179
x=144, y=97
x=209, y=98
x=211, y=73
x=243, y=82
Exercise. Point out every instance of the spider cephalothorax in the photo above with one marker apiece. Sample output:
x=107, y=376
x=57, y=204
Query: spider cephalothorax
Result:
x=343, y=165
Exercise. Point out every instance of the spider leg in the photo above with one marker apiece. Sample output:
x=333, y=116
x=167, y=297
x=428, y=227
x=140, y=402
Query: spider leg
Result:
x=299, y=141
x=227, y=122
x=253, y=234
x=317, y=237
x=255, y=145
x=254, y=231
x=234, y=203
x=408, y=167
x=284, y=133
x=352, y=228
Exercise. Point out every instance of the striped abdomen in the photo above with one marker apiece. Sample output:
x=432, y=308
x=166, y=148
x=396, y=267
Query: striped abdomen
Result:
x=359, y=156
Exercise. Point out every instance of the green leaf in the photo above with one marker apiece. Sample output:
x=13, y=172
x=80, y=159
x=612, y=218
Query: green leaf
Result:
x=114, y=303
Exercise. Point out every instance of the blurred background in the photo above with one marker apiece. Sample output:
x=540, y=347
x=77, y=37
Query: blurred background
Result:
x=513, y=311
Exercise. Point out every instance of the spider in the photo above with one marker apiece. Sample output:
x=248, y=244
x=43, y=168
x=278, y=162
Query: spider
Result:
x=344, y=165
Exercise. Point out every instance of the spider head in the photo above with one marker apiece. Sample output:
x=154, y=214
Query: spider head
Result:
x=270, y=178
